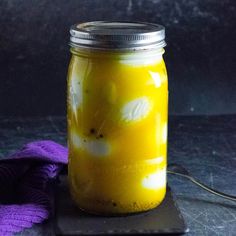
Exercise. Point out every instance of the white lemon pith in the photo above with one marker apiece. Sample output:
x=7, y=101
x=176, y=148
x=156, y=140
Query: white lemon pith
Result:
x=155, y=180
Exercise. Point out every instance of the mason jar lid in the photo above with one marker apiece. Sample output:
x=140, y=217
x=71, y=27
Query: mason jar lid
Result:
x=117, y=35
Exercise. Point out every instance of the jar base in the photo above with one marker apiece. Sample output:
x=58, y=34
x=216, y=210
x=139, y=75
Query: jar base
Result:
x=113, y=210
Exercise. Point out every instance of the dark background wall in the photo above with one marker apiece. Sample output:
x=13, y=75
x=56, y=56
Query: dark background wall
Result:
x=200, y=57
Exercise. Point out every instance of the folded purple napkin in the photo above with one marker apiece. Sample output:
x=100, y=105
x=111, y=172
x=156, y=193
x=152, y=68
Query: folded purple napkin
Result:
x=24, y=185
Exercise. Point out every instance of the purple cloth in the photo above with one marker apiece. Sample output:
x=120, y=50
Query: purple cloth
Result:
x=24, y=185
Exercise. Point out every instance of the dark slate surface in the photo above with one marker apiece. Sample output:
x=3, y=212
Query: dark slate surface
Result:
x=206, y=146
x=165, y=219
x=200, y=55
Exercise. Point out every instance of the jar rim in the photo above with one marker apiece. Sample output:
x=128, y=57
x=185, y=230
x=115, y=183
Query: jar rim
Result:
x=117, y=35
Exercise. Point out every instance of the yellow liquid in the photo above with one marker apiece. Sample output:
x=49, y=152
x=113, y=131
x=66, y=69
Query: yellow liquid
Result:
x=117, y=131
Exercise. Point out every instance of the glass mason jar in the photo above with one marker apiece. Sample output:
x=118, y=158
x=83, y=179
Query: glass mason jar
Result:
x=117, y=116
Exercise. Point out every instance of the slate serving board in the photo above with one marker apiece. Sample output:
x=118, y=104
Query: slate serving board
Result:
x=69, y=220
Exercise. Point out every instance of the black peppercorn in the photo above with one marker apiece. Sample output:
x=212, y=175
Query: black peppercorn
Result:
x=92, y=131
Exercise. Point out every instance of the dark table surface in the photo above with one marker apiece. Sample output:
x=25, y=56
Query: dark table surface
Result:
x=206, y=146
